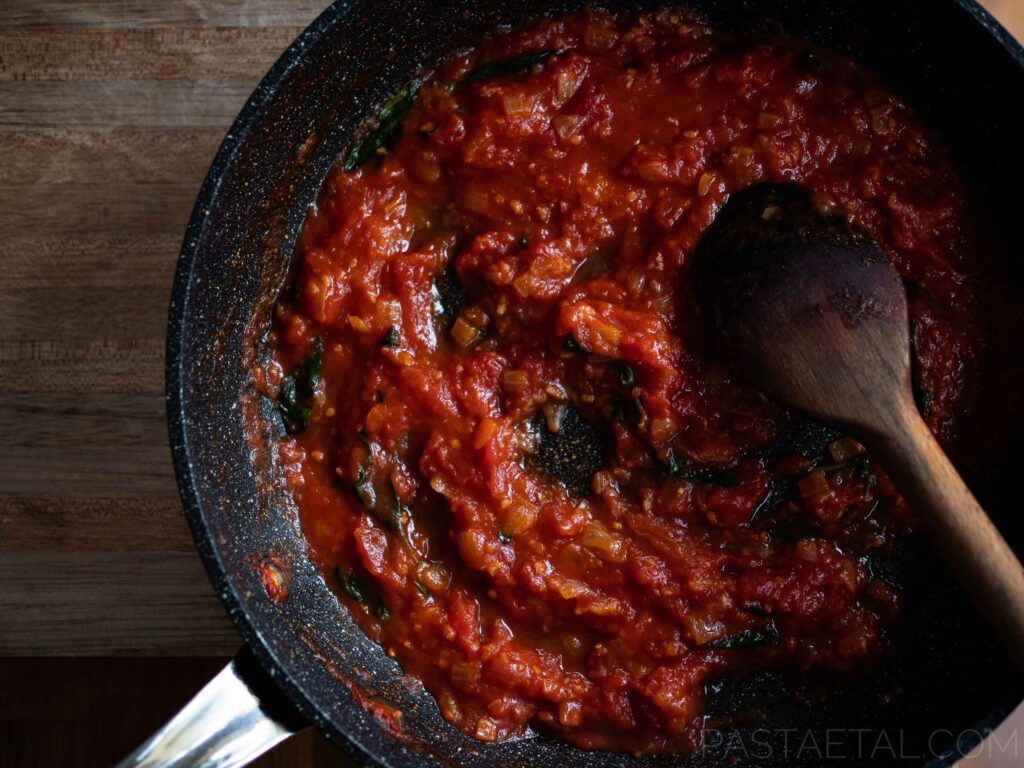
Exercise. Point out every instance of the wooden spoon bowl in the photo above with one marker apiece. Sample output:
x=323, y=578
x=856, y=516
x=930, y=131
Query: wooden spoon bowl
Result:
x=811, y=310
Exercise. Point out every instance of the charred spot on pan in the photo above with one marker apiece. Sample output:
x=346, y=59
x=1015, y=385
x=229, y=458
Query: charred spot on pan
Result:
x=699, y=475
x=572, y=454
x=802, y=436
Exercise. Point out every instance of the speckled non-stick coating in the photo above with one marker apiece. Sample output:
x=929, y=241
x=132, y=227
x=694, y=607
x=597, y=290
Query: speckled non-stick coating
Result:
x=964, y=74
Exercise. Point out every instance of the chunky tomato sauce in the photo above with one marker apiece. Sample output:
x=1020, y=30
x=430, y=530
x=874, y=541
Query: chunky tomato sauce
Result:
x=515, y=255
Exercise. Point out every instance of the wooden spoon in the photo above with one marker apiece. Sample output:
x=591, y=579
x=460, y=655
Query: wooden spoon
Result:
x=813, y=312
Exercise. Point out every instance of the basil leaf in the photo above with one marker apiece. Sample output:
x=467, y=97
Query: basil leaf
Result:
x=571, y=345
x=314, y=364
x=363, y=486
x=295, y=396
x=399, y=521
x=451, y=298
x=626, y=378
x=748, y=638
x=508, y=67
x=352, y=585
x=391, y=337
x=389, y=127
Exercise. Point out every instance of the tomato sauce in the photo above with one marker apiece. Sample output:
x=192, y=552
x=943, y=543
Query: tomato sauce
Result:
x=514, y=254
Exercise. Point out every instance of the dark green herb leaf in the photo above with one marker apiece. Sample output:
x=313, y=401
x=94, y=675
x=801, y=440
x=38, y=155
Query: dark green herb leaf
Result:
x=571, y=345
x=382, y=612
x=399, y=521
x=451, y=298
x=389, y=127
x=523, y=242
x=363, y=486
x=314, y=363
x=352, y=585
x=508, y=67
x=390, y=337
x=748, y=638
x=672, y=463
x=295, y=396
x=626, y=378
x=780, y=490
x=503, y=537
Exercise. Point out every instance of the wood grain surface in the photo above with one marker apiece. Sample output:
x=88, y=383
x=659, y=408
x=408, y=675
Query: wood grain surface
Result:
x=110, y=112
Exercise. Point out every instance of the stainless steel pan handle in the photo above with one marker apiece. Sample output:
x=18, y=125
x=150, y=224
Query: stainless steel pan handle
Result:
x=235, y=718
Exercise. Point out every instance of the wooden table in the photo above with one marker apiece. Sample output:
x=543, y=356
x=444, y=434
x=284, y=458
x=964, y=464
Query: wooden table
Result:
x=110, y=113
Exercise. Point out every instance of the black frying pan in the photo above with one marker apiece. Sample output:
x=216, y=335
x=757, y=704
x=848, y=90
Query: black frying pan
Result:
x=944, y=680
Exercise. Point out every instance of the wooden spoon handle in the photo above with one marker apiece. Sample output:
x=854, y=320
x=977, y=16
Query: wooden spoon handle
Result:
x=960, y=529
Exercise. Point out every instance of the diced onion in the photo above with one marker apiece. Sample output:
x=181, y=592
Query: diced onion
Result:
x=484, y=432
x=814, y=486
x=570, y=713
x=609, y=334
x=465, y=334
x=566, y=84
x=475, y=316
x=845, y=449
x=704, y=184
x=568, y=125
x=516, y=381
x=702, y=628
x=435, y=577
x=554, y=413
x=465, y=674
x=607, y=545
x=571, y=588
x=520, y=517
x=662, y=429
x=486, y=729
x=518, y=102
x=359, y=324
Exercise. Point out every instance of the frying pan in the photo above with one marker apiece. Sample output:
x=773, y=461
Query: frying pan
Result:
x=941, y=686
